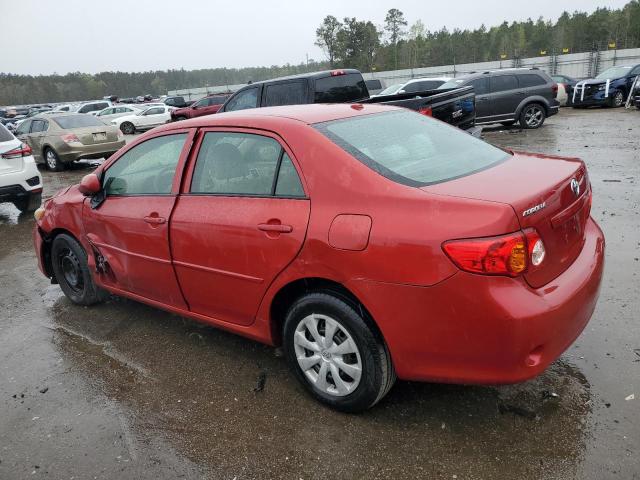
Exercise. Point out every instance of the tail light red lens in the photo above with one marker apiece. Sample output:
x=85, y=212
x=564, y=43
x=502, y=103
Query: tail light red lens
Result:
x=509, y=255
x=554, y=90
x=70, y=138
x=23, y=150
x=428, y=111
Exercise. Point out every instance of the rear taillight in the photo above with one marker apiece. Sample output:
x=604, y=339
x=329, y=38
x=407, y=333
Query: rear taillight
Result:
x=554, y=90
x=23, y=150
x=509, y=255
x=428, y=111
x=70, y=138
x=335, y=73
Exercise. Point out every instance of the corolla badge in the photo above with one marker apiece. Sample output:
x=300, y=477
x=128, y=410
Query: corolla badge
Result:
x=575, y=187
x=535, y=209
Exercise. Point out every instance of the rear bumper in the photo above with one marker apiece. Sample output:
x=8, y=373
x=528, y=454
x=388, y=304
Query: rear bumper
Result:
x=486, y=330
x=22, y=183
x=73, y=152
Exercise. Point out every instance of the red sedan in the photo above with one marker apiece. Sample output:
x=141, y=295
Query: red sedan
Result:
x=368, y=241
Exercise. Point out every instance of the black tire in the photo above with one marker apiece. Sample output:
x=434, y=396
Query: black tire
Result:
x=509, y=123
x=377, y=374
x=52, y=160
x=532, y=115
x=69, y=261
x=128, y=128
x=29, y=203
x=617, y=99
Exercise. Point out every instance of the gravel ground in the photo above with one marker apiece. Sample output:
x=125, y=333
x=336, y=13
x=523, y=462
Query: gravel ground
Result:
x=122, y=390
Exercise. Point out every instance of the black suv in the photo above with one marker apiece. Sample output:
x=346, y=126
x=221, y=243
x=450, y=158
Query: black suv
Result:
x=525, y=95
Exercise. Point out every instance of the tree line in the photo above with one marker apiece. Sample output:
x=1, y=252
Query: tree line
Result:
x=360, y=44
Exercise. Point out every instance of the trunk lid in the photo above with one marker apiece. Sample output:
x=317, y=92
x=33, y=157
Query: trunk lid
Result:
x=13, y=164
x=96, y=135
x=542, y=191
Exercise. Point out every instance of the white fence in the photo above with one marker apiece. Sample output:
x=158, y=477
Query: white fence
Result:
x=578, y=65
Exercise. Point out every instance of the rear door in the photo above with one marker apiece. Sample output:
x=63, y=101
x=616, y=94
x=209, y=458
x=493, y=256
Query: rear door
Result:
x=130, y=228
x=504, y=97
x=36, y=137
x=241, y=220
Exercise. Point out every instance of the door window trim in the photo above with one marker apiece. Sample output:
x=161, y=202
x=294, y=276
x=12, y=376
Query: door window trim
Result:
x=193, y=157
x=180, y=167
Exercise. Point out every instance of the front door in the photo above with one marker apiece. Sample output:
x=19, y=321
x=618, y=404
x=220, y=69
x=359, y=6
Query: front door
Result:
x=130, y=228
x=241, y=220
x=504, y=97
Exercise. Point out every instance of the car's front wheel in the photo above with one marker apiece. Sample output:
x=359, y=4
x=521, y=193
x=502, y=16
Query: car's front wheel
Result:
x=53, y=161
x=617, y=99
x=532, y=116
x=335, y=353
x=128, y=128
x=69, y=262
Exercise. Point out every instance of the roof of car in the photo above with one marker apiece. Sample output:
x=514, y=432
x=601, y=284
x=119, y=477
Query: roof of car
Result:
x=309, y=114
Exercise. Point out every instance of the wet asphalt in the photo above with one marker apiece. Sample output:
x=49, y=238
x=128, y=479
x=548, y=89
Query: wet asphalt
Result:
x=125, y=391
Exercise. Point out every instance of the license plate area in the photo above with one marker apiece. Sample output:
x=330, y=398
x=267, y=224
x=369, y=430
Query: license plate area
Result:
x=100, y=137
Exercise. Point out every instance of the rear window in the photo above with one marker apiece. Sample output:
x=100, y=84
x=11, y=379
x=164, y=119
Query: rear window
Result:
x=530, y=80
x=410, y=148
x=5, y=135
x=289, y=93
x=78, y=121
x=340, y=88
x=373, y=84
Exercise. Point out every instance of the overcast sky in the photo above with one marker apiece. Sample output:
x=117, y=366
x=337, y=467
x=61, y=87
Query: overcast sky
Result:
x=46, y=36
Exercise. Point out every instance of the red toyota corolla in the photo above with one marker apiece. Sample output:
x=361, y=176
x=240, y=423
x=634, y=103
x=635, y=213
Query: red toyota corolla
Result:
x=369, y=241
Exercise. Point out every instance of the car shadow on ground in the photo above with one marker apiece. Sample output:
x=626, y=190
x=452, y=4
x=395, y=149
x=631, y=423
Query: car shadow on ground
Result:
x=205, y=389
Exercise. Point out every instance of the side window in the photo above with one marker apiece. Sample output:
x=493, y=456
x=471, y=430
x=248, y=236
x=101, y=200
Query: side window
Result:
x=290, y=93
x=340, y=88
x=108, y=111
x=146, y=169
x=480, y=85
x=236, y=164
x=245, y=99
x=85, y=109
x=288, y=184
x=24, y=127
x=530, y=80
x=202, y=103
x=501, y=83
x=154, y=111
x=217, y=100
x=38, y=126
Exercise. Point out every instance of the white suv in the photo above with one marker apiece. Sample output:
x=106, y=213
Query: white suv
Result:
x=20, y=180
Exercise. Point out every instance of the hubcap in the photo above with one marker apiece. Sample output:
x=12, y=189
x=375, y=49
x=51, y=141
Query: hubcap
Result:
x=328, y=355
x=533, y=116
x=618, y=99
x=51, y=159
x=70, y=266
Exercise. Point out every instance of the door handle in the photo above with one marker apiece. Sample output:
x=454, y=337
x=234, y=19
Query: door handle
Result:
x=275, y=227
x=154, y=220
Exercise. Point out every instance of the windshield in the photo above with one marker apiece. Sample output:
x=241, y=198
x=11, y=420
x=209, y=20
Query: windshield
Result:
x=453, y=83
x=391, y=90
x=78, y=121
x=614, y=72
x=410, y=148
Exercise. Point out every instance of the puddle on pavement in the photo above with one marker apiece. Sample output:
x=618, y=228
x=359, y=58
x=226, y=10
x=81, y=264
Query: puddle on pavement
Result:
x=194, y=386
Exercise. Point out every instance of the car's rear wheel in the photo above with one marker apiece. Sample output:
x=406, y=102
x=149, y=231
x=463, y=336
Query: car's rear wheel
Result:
x=52, y=160
x=128, y=128
x=532, y=116
x=69, y=262
x=335, y=353
x=617, y=99
x=29, y=203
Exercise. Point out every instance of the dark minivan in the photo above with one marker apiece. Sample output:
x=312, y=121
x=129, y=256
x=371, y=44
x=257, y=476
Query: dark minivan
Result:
x=524, y=95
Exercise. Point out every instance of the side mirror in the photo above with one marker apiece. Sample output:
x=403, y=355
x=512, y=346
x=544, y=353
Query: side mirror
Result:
x=401, y=91
x=89, y=185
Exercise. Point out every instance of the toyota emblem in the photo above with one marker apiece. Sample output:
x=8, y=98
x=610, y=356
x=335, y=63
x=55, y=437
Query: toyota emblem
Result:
x=575, y=187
